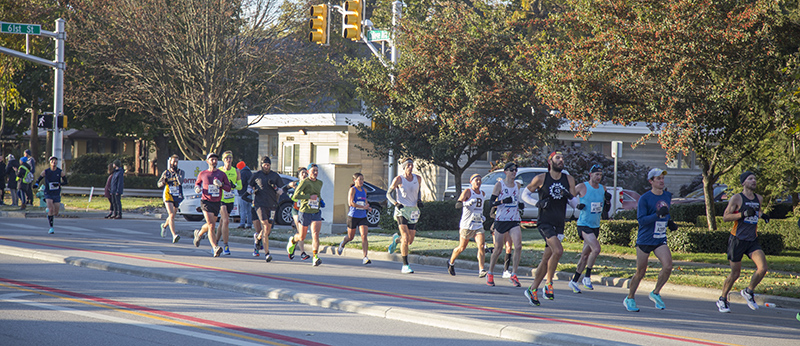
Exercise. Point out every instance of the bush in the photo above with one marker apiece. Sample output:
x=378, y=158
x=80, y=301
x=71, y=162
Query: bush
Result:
x=785, y=227
x=99, y=181
x=690, y=211
x=434, y=216
x=700, y=239
x=626, y=215
x=612, y=232
x=94, y=163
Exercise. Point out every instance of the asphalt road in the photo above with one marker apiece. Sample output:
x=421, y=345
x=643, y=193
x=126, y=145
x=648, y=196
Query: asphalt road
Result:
x=442, y=308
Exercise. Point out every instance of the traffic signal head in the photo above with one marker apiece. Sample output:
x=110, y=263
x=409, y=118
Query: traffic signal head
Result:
x=319, y=24
x=351, y=21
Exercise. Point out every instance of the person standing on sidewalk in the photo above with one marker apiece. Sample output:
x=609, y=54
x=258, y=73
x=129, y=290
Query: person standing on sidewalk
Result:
x=506, y=198
x=116, y=189
x=24, y=180
x=744, y=210
x=245, y=216
x=471, y=204
x=228, y=199
x=53, y=177
x=2, y=180
x=556, y=189
x=266, y=186
x=172, y=181
x=653, y=216
x=357, y=216
x=28, y=155
x=591, y=206
x=11, y=176
x=308, y=193
x=406, y=210
x=209, y=183
x=107, y=192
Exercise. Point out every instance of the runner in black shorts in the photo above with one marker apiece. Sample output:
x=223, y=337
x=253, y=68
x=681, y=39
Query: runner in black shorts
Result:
x=210, y=183
x=591, y=206
x=357, y=216
x=744, y=209
x=172, y=182
x=506, y=198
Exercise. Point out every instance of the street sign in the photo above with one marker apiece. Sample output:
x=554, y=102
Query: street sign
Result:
x=377, y=35
x=15, y=28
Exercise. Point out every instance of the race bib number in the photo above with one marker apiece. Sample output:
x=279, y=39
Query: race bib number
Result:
x=661, y=230
x=313, y=203
x=56, y=186
x=477, y=218
x=414, y=216
x=272, y=215
x=513, y=202
x=175, y=190
x=597, y=207
x=361, y=203
x=228, y=194
x=213, y=190
x=752, y=220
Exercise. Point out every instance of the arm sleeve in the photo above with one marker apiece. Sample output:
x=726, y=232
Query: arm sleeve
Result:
x=529, y=197
x=389, y=196
x=226, y=184
x=40, y=179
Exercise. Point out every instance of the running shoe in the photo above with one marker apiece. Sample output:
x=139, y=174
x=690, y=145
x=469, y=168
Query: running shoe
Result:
x=163, y=230
x=630, y=305
x=749, y=297
x=217, y=251
x=366, y=261
x=482, y=273
x=316, y=261
x=51, y=231
x=490, y=279
x=587, y=283
x=451, y=269
x=175, y=238
x=196, y=239
x=533, y=298
x=255, y=253
x=798, y=316
x=257, y=242
x=407, y=269
x=393, y=245
x=290, y=247
x=723, y=305
x=226, y=250
x=656, y=298
x=268, y=258
x=340, y=249
x=548, y=291
x=514, y=280
x=574, y=286
x=304, y=256
x=506, y=274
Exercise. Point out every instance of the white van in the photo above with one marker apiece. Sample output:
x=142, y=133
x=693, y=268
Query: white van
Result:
x=190, y=207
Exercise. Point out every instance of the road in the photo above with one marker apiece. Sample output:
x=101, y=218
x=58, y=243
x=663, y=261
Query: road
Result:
x=350, y=303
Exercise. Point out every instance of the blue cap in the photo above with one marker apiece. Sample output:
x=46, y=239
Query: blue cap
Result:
x=311, y=165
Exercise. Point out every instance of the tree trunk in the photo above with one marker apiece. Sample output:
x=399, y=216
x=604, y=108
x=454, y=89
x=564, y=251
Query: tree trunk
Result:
x=457, y=172
x=162, y=153
x=34, y=141
x=708, y=189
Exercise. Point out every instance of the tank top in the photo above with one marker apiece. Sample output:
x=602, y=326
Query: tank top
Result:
x=172, y=189
x=746, y=229
x=508, y=212
x=594, y=198
x=472, y=215
x=360, y=198
x=408, y=191
x=52, y=181
x=556, y=209
x=229, y=196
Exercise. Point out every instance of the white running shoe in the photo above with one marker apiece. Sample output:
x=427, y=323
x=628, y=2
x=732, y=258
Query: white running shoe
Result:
x=750, y=298
x=574, y=286
x=407, y=269
x=366, y=261
x=587, y=283
x=506, y=274
x=723, y=306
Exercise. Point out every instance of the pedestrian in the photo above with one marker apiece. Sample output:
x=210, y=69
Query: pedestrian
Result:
x=308, y=193
x=744, y=210
x=53, y=177
x=32, y=164
x=24, y=180
x=116, y=188
x=406, y=210
x=245, y=216
x=471, y=224
x=11, y=176
x=171, y=181
x=267, y=188
x=591, y=206
x=2, y=180
x=228, y=199
x=654, y=219
x=556, y=190
x=357, y=216
x=208, y=184
x=107, y=192
x=506, y=199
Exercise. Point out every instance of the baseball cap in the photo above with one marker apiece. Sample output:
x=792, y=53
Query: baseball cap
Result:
x=311, y=165
x=507, y=166
x=655, y=172
x=10, y=157
x=266, y=159
x=24, y=159
x=744, y=176
x=210, y=155
x=52, y=158
x=553, y=154
x=596, y=168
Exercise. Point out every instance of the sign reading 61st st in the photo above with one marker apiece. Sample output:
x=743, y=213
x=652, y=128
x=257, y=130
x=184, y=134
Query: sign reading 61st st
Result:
x=15, y=28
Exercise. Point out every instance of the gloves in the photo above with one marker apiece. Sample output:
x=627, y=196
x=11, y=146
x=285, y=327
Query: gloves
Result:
x=672, y=226
x=568, y=195
x=35, y=186
x=747, y=211
x=662, y=212
x=420, y=204
x=217, y=183
x=580, y=206
x=521, y=206
x=398, y=206
x=543, y=203
x=198, y=189
x=321, y=203
x=765, y=217
x=508, y=200
x=459, y=205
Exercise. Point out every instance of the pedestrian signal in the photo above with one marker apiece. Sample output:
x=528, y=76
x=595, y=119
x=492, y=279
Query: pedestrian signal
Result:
x=45, y=121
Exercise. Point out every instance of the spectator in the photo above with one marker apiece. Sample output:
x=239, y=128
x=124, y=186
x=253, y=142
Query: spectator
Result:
x=117, y=182
x=11, y=175
x=28, y=156
x=245, y=217
x=24, y=180
x=2, y=180
x=107, y=192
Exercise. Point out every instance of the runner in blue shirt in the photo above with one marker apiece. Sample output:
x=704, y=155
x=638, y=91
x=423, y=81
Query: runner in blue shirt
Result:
x=357, y=216
x=592, y=198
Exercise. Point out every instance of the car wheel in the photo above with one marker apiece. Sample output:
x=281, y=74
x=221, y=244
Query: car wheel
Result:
x=374, y=216
x=193, y=218
x=285, y=214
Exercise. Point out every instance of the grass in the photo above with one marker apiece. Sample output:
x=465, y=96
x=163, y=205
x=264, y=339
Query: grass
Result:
x=99, y=203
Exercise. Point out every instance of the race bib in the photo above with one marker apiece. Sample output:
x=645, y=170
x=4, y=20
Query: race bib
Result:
x=228, y=194
x=175, y=190
x=361, y=203
x=477, y=218
x=661, y=230
x=313, y=203
x=56, y=186
x=752, y=220
x=513, y=202
x=414, y=216
x=272, y=215
x=597, y=207
x=213, y=190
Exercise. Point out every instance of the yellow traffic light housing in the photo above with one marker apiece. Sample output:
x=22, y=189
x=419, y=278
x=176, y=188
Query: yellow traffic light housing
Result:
x=351, y=21
x=319, y=24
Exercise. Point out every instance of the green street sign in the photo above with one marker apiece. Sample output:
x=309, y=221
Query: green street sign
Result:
x=15, y=28
x=377, y=35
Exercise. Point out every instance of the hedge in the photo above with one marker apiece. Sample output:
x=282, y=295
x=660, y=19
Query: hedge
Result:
x=94, y=163
x=785, y=227
x=434, y=216
x=99, y=181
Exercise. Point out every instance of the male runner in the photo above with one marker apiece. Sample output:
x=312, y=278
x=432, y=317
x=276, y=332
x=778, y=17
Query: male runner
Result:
x=228, y=199
x=471, y=226
x=53, y=177
x=266, y=186
x=592, y=200
x=653, y=215
x=406, y=211
x=556, y=189
x=208, y=184
x=506, y=198
x=172, y=181
x=308, y=193
x=744, y=209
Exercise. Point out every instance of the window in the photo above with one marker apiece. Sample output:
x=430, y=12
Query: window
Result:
x=326, y=153
x=291, y=158
x=682, y=161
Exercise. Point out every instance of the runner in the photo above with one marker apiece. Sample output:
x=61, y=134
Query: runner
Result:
x=53, y=177
x=556, y=189
x=308, y=193
x=172, y=181
x=228, y=199
x=357, y=216
x=266, y=186
x=507, y=261
x=406, y=211
x=302, y=173
x=245, y=216
x=116, y=188
x=592, y=203
x=471, y=226
x=208, y=184
x=653, y=215
x=505, y=197
x=744, y=209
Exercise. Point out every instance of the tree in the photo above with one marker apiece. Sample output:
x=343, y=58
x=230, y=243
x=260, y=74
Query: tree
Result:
x=457, y=91
x=703, y=74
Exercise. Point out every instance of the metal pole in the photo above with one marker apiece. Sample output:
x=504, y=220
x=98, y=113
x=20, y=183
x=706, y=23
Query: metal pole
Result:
x=27, y=44
x=58, y=91
x=397, y=13
x=616, y=192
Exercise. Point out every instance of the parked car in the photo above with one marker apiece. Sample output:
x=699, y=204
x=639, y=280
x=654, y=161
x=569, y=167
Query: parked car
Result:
x=190, y=207
x=699, y=195
x=376, y=197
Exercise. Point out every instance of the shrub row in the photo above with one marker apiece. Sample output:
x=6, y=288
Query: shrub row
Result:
x=99, y=181
x=94, y=163
x=434, y=216
x=785, y=227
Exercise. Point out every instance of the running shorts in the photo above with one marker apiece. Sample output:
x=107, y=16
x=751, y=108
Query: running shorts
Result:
x=737, y=248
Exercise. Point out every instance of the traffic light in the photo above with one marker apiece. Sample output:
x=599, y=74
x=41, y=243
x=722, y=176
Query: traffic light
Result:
x=319, y=24
x=351, y=21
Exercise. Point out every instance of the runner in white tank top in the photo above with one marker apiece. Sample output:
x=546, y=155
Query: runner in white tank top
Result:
x=407, y=210
x=506, y=197
x=471, y=225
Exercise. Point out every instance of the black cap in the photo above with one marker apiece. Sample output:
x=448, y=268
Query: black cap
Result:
x=509, y=165
x=210, y=155
x=266, y=159
x=596, y=168
x=744, y=176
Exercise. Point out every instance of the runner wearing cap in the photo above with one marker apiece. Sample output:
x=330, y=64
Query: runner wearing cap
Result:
x=172, y=181
x=506, y=198
x=592, y=200
x=357, y=216
x=53, y=177
x=556, y=189
x=653, y=216
x=228, y=199
x=308, y=193
x=266, y=185
x=471, y=203
x=406, y=211
x=209, y=183
x=302, y=173
x=743, y=210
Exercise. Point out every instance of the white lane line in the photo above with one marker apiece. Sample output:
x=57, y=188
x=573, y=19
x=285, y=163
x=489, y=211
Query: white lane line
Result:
x=72, y=228
x=20, y=225
x=125, y=231
x=127, y=321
